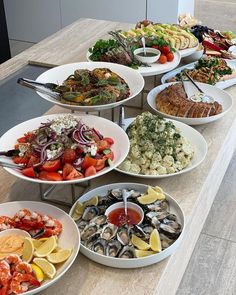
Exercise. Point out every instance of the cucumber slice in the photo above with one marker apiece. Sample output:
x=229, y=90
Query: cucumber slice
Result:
x=106, y=151
x=109, y=162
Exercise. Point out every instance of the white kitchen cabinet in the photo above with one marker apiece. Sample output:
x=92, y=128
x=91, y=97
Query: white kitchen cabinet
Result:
x=32, y=20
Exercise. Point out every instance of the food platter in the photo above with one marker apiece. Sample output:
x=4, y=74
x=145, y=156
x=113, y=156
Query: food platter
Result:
x=155, y=68
x=221, y=84
x=195, y=139
x=58, y=74
x=220, y=96
x=69, y=238
x=106, y=127
x=188, y=51
x=134, y=262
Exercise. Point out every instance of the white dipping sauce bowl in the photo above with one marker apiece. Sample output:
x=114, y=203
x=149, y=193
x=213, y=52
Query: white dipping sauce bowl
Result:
x=15, y=232
x=147, y=59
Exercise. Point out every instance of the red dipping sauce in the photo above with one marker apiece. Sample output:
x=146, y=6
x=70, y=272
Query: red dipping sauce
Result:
x=118, y=217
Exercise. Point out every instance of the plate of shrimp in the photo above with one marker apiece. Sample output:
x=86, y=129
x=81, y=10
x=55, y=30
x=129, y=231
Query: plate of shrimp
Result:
x=43, y=221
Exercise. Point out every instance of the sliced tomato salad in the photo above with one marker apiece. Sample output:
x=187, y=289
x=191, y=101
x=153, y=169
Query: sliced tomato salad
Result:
x=63, y=149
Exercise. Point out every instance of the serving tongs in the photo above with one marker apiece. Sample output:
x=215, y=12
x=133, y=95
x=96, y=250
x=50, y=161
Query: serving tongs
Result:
x=11, y=165
x=10, y=153
x=44, y=88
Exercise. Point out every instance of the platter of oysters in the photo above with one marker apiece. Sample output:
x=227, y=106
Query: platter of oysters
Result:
x=128, y=225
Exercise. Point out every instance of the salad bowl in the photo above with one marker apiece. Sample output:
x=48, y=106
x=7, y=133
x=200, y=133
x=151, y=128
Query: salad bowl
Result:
x=105, y=127
x=59, y=74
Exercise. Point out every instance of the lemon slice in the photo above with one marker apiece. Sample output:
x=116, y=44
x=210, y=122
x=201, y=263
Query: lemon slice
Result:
x=60, y=256
x=43, y=240
x=36, y=243
x=155, y=241
x=139, y=243
x=47, y=267
x=143, y=253
x=91, y=202
x=158, y=189
x=47, y=247
x=28, y=250
x=38, y=272
x=147, y=199
x=58, y=249
x=79, y=209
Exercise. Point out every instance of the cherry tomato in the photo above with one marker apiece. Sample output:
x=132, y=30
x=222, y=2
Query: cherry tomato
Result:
x=102, y=145
x=88, y=161
x=170, y=56
x=109, y=140
x=29, y=172
x=20, y=160
x=165, y=49
x=22, y=139
x=162, y=59
x=69, y=156
x=69, y=172
x=32, y=161
x=52, y=166
x=51, y=176
x=90, y=171
x=100, y=164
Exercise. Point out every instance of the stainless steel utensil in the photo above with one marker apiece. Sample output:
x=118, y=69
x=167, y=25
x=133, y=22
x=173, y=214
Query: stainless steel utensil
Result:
x=10, y=153
x=11, y=165
x=144, y=45
x=50, y=86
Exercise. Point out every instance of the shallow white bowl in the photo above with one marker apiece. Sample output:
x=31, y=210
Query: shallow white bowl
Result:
x=194, y=137
x=69, y=238
x=59, y=74
x=147, y=59
x=104, y=126
x=134, y=262
x=194, y=56
x=219, y=95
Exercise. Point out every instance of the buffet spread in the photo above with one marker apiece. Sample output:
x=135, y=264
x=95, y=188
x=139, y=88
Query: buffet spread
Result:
x=121, y=225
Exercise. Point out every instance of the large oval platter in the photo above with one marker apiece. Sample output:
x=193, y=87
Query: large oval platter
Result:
x=220, y=96
x=155, y=68
x=134, y=262
x=195, y=139
x=120, y=147
x=59, y=74
x=68, y=239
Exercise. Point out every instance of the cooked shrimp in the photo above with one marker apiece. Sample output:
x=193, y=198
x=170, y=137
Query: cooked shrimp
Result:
x=20, y=283
x=13, y=260
x=6, y=223
x=23, y=267
x=5, y=276
x=53, y=227
x=28, y=220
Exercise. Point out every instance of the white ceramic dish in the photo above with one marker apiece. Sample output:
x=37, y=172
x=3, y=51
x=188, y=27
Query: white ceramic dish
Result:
x=58, y=74
x=221, y=84
x=134, y=262
x=155, y=68
x=15, y=231
x=106, y=127
x=147, y=59
x=194, y=137
x=220, y=95
x=69, y=238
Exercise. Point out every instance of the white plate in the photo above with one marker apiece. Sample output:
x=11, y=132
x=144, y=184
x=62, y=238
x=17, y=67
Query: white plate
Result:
x=106, y=127
x=69, y=238
x=155, y=68
x=193, y=136
x=220, y=95
x=134, y=262
x=221, y=84
x=188, y=51
x=59, y=74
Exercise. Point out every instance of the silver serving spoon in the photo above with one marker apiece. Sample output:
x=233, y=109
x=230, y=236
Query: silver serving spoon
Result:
x=202, y=96
x=126, y=195
x=144, y=45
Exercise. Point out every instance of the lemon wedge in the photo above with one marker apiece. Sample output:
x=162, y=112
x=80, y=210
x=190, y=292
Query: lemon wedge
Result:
x=158, y=189
x=47, y=267
x=28, y=250
x=155, y=241
x=38, y=272
x=139, y=243
x=91, y=202
x=60, y=256
x=79, y=207
x=36, y=243
x=47, y=247
x=147, y=199
x=143, y=253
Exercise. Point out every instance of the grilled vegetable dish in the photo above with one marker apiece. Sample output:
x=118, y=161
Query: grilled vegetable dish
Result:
x=174, y=101
x=156, y=147
x=208, y=70
x=97, y=87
